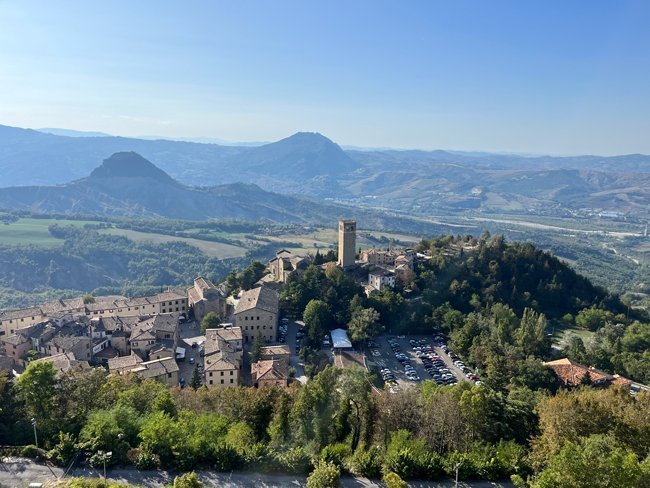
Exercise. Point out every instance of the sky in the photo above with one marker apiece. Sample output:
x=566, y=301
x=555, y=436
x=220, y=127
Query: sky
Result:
x=552, y=77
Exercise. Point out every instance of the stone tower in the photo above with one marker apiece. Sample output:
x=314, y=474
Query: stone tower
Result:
x=347, y=242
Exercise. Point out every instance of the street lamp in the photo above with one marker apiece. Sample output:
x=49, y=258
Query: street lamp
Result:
x=35, y=436
x=105, y=456
x=457, y=468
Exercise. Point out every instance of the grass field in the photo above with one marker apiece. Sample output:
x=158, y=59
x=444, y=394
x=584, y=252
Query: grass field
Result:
x=34, y=231
x=560, y=335
x=213, y=249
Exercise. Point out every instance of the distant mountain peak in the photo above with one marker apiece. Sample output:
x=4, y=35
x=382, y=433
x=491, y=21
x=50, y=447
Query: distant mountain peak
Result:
x=130, y=165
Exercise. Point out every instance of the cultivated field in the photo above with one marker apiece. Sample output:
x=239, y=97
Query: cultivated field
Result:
x=34, y=231
x=213, y=249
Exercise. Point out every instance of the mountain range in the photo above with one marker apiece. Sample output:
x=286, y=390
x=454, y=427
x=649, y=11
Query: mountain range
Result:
x=312, y=165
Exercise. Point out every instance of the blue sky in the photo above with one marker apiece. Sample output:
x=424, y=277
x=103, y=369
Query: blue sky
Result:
x=560, y=77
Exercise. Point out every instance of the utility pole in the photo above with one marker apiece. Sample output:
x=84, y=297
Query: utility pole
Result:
x=35, y=436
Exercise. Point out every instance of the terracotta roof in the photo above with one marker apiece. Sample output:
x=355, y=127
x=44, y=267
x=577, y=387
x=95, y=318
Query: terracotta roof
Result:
x=269, y=370
x=261, y=298
x=571, y=373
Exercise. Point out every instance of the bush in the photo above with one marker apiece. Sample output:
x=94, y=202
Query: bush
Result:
x=188, y=480
x=92, y=483
x=336, y=454
x=143, y=460
x=325, y=475
x=61, y=454
x=33, y=452
x=366, y=462
x=294, y=461
x=392, y=480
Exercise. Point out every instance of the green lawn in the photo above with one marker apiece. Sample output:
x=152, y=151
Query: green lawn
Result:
x=34, y=231
x=560, y=334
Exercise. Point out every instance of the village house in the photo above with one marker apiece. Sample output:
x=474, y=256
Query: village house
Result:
x=277, y=352
x=572, y=374
x=270, y=372
x=158, y=333
x=285, y=264
x=381, y=278
x=64, y=362
x=164, y=370
x=222, y=369
x=16, y=347
x=256, y=313
x=62, y=311
x=223, y=356
x=124, y=363
x=204, y=297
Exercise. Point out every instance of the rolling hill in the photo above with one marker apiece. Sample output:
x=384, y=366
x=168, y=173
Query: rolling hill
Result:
x=310, y=164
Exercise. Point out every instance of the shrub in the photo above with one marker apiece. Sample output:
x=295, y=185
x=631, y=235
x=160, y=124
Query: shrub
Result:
x=143, y=460
x=366, y=462
x=325, y=475
x=336, y=454
x=33, y=452
x=188, y=480
x=392, y=480
x=294, y=461
x=62, y=453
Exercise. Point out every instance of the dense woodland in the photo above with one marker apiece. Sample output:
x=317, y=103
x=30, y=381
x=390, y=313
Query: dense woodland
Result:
x=494, y=300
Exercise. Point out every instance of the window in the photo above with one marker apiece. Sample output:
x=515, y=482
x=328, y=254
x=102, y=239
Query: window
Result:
x=169, y=375
x=258, y=317
x=231, y=380
x=231, y=373
x=210, y=381
x=222, y=382
x=264, y=327
x=245, y=318
x=210, y=375
x=222, y=373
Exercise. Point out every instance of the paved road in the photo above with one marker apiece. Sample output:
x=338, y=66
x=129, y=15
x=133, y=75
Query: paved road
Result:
x=295, y=362
x=189, y=332
x=19, y=472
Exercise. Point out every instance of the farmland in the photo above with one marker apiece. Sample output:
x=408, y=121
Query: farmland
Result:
x=34, y=232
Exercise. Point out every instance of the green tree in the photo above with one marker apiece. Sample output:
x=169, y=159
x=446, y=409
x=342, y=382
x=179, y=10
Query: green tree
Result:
x=317, y=318
x=325, y=475
x=594, y=462
x=195, y=382
x=364, y=324
x=210, y=321
x=592, y=318
x=256, y=348
x=531, y=334
x=36, y=387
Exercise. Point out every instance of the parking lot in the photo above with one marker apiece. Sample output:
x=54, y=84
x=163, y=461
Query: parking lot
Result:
x=406, y=360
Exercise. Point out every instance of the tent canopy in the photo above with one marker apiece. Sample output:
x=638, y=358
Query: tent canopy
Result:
x=340, y=339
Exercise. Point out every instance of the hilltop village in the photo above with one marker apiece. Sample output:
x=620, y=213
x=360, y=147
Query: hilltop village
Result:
x=154, y=336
